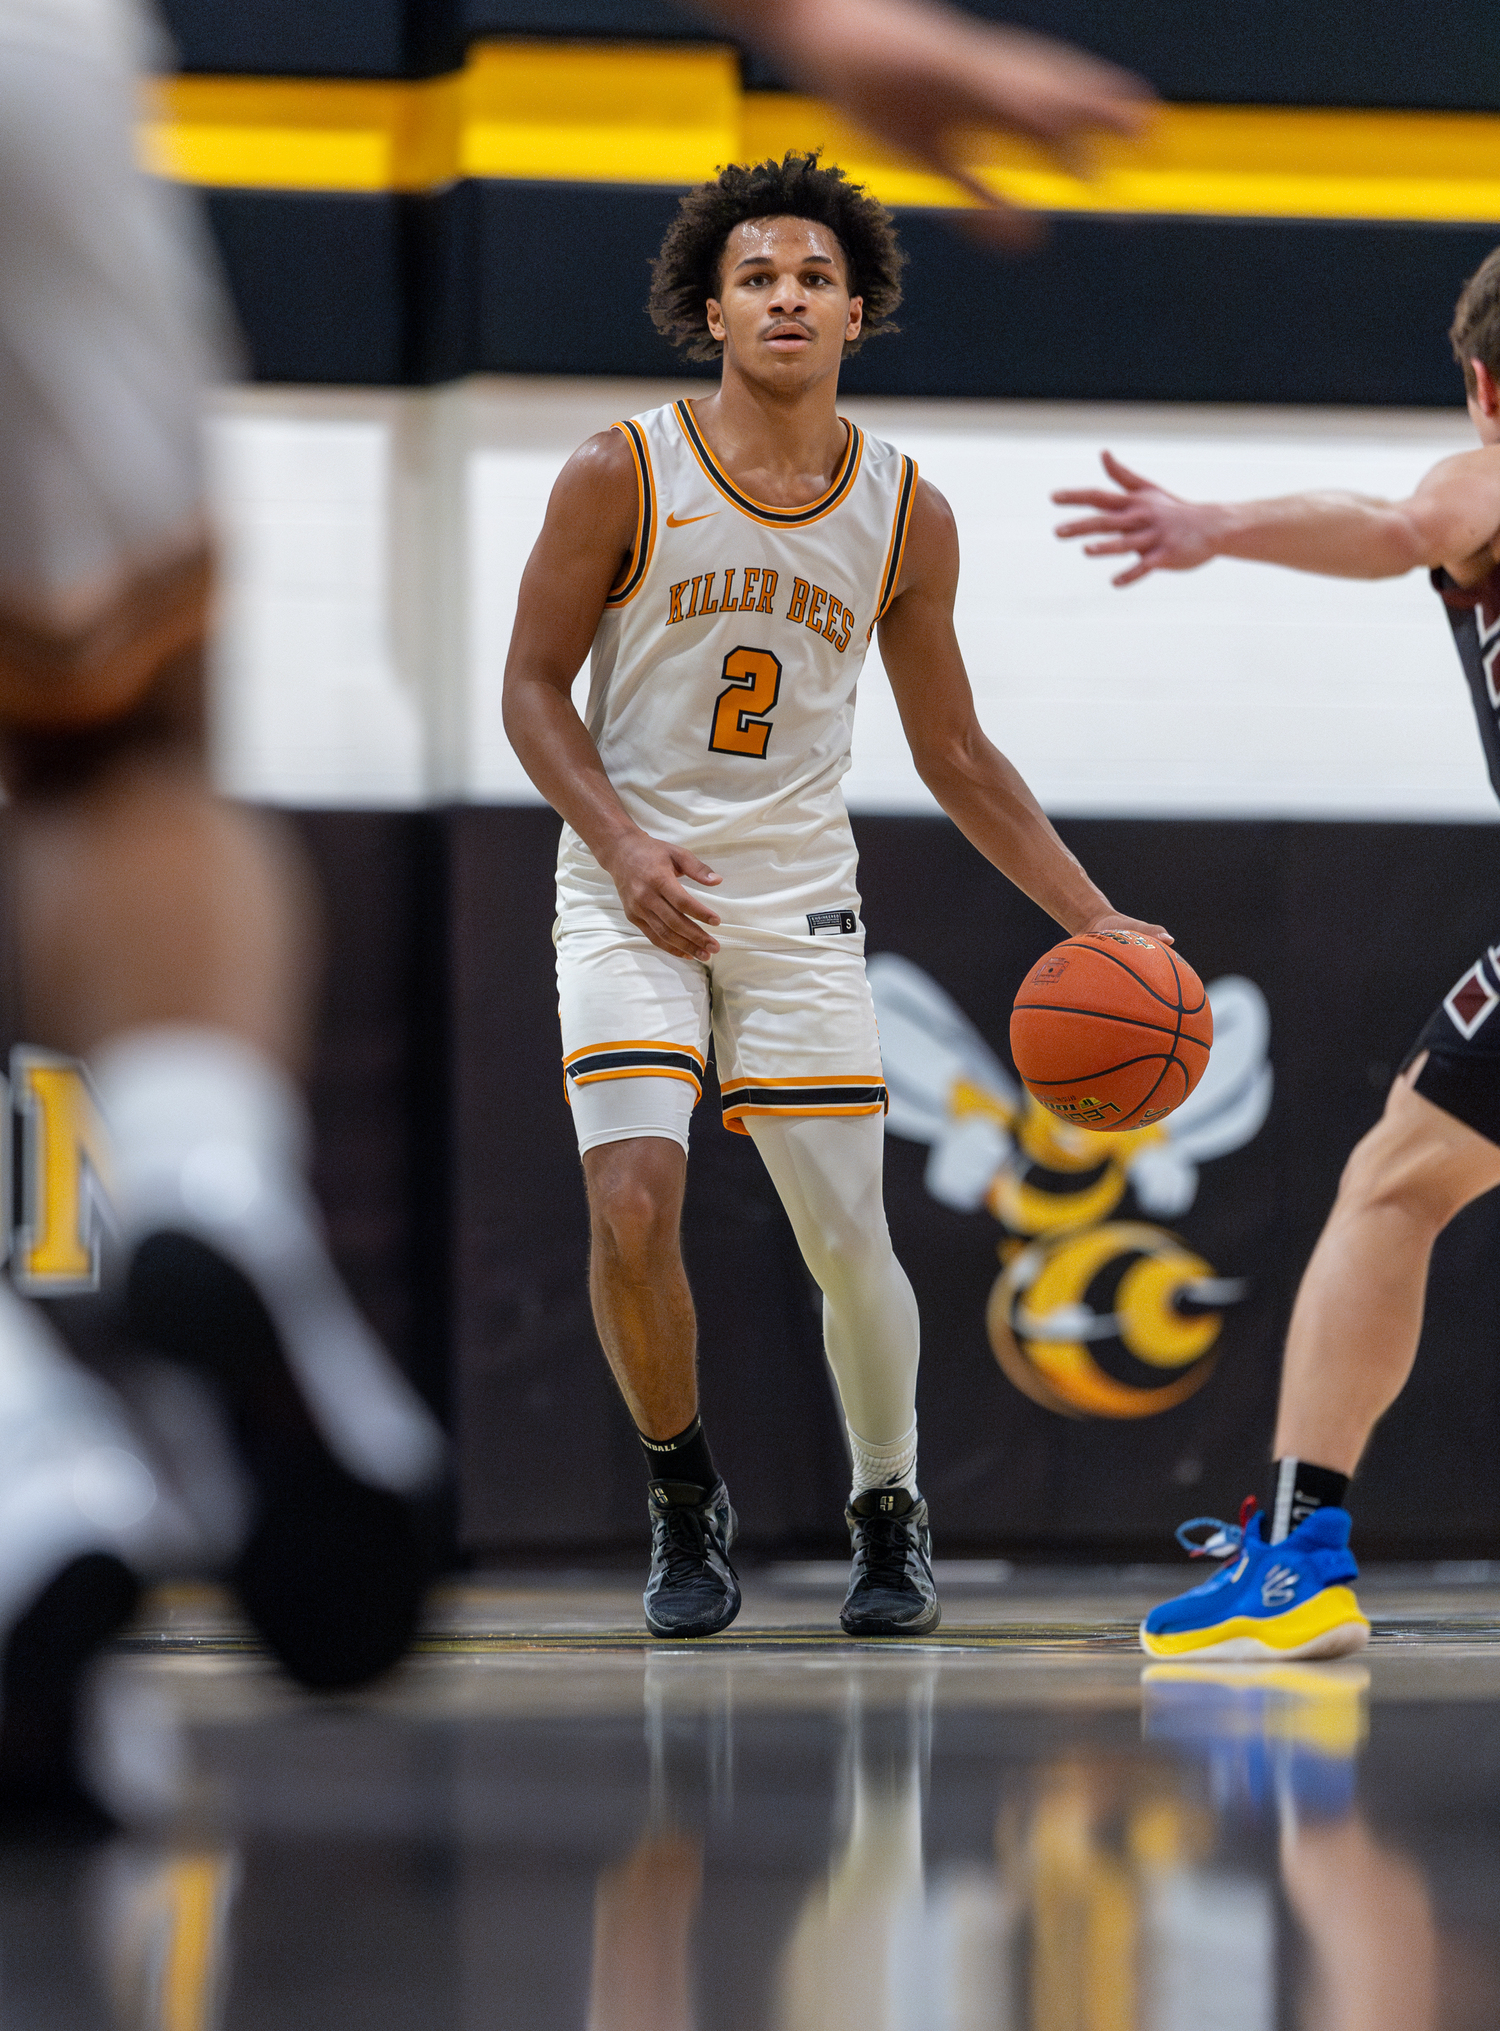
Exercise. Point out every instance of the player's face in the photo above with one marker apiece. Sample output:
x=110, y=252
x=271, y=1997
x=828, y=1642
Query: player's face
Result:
x=784, y=311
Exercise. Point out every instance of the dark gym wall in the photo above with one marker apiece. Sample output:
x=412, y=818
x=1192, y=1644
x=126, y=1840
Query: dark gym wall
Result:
x=401, y=288
x=1250, y=52
x=447, y=1158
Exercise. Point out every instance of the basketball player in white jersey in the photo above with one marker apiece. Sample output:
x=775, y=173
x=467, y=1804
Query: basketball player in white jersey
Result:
x=164, y=935
x=727, y=561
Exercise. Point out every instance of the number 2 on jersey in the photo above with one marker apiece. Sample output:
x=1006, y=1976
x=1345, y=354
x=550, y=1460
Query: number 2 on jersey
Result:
x=740, y=723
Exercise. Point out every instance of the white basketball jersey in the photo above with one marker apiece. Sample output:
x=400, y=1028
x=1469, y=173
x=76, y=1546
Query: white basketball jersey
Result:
x=725, y=666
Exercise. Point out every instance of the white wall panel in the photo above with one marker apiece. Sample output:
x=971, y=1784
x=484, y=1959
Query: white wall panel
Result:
x=314, y=706
x=377, y=542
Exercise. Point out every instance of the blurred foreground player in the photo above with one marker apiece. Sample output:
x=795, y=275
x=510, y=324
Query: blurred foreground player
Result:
x=165, y=937
x=727, y=561
x=1358, y=1314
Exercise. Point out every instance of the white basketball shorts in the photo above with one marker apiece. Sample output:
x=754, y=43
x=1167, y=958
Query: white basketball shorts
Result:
x=791, y=1019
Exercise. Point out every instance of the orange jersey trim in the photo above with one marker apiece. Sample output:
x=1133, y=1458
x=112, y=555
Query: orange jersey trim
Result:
x=646, y=517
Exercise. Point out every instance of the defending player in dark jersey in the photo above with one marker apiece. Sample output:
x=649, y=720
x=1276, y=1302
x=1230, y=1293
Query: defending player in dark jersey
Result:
x=1358, y=1315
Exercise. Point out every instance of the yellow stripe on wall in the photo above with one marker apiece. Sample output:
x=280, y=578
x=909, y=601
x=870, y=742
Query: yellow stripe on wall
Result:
x=668, y=114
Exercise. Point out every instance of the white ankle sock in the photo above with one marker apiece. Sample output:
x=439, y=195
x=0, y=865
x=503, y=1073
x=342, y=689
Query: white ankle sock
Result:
x=209, y=1138
x=893, y=1466
x=208, y=1135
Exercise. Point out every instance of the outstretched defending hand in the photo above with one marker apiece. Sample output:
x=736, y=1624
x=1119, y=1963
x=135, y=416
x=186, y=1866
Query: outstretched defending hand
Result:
x=921, y=76
x=1113, y=921
x=1167, y=534
x=646, y=872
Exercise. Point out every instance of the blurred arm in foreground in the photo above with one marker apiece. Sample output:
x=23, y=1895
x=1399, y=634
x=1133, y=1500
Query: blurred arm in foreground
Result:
x=924, y=77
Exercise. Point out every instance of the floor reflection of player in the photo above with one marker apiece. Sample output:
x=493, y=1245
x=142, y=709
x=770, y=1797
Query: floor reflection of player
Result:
x=1358, y=1315
x=1282, y=1744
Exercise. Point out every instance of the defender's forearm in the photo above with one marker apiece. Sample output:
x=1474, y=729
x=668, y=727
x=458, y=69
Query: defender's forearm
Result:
x=990, y=804
x=1339, y=535
x=553, y=747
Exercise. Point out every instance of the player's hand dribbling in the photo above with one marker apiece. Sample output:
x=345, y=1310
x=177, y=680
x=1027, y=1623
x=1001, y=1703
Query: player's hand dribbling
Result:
x=1113, y=921
x=1166, y=534
x=648, y=874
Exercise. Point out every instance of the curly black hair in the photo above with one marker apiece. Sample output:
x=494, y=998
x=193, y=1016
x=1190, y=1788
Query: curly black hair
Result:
x=685, y=274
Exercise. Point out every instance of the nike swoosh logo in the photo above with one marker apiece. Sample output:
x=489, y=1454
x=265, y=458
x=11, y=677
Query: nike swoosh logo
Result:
x=681, y=521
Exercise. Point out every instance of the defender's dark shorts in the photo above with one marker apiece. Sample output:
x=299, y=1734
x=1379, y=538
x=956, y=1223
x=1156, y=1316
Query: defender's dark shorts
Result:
x=1462, y=1039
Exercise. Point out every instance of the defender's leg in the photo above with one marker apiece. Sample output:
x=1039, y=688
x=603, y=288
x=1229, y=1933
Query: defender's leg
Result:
x=1352, y=1342
x=827, y=1171
x=1358, y=1315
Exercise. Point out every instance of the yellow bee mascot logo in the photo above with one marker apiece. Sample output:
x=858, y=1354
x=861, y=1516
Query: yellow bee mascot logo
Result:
x=1091, y=1316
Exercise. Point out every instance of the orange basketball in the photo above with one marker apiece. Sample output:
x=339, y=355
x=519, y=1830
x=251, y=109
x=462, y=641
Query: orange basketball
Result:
x=1111, y=1030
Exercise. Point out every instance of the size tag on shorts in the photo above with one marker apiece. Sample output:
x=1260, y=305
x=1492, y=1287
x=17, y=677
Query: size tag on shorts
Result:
x=831, y=923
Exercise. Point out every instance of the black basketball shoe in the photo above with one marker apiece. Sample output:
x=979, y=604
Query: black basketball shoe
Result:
x=692, y=1590
x=891, y=1589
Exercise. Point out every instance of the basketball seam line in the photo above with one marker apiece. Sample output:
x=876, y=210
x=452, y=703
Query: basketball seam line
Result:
x=1114, y=960
x=1099, y=1015
x=1146, y=1058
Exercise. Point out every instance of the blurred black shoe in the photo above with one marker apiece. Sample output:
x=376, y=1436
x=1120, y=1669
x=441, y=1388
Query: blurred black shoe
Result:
x=891, y=1589
x=343, y=1461
x=692, y=1590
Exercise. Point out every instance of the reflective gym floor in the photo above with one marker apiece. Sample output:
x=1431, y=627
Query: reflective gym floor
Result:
x=546, y=1822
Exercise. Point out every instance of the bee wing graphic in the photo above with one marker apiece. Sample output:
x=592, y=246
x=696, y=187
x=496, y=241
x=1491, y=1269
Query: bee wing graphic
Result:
x=1225, y=1111
x=928, y=1046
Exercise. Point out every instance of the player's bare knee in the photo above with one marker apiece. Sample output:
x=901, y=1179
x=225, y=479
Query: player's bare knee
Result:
x=1408, y=1167
x=635, y=1201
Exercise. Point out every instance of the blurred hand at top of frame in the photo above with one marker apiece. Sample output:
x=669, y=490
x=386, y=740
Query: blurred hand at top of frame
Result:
x=920, y=75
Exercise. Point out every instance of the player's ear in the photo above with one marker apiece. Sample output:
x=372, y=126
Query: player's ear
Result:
x=715, y=313
x=1486, y=390
x=856, y=317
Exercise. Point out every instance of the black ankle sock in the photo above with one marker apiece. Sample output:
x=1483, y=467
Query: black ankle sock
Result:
x=1297, y=1489
x=684, y=1460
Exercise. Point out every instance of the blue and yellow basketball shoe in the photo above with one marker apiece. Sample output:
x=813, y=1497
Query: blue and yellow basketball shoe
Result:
x=1278, y=1601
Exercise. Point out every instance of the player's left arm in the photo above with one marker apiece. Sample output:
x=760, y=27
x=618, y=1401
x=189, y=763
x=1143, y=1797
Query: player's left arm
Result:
x=975, y=784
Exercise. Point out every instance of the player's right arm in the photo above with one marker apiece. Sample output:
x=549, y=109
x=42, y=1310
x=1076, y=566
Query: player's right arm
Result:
x=1453, y=520
x=581, y=552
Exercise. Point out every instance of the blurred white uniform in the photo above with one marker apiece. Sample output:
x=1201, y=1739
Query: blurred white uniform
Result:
x=110, y=322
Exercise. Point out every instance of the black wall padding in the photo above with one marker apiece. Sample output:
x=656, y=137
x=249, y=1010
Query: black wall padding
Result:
x=1334, y=922
x=318, y=38
x=551, y=278
x=1398, y=53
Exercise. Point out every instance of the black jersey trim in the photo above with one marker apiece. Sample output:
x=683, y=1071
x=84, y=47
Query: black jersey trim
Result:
x=776, y=518
x=634, y=1061
x=847, y=1096
x=900, y=524
x=645, y=520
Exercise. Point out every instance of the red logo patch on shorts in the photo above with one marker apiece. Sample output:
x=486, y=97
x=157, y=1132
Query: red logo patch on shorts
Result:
x=1472, y=1002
